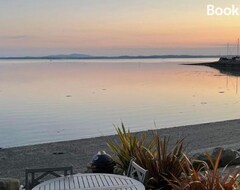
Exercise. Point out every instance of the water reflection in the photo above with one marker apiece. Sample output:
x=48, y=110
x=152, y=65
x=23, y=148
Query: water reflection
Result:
x=229, y=71
x=43, y=101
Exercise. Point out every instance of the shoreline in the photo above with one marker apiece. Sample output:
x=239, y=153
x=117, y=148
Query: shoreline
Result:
x=78, y=153
x=228, y=68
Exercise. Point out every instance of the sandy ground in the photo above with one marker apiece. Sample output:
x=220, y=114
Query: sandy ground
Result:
x=78, y=153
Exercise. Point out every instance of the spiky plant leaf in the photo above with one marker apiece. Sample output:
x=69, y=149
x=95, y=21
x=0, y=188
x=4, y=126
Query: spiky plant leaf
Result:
x=195, y=179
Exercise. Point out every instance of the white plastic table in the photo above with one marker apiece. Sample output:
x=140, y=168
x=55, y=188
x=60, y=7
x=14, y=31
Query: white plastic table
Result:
x=91, y=181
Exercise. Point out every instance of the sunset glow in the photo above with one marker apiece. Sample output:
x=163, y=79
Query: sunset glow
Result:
x=113, y=27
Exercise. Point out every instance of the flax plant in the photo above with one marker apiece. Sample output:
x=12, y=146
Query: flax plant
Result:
x=154, y=155
x=167, y=163
x=204, y=178
x=128, y=146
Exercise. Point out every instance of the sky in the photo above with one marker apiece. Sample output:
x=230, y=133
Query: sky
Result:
x=114, y=27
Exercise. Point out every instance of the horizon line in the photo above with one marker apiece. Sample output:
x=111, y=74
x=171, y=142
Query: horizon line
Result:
x=87, y=56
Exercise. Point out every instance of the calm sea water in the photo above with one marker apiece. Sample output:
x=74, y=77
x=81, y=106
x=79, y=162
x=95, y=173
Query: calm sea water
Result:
x=45, y=101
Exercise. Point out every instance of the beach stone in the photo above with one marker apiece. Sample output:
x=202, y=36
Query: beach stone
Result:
x=215, y=152
x=9, y=184
x=236, y=161
x=57, y=153
x=118, y=170
x=200, y=156
x=229, y=156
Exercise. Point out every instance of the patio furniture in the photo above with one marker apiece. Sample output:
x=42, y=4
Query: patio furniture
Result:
x=34, y=176
x=137, y=172
x=90, y=181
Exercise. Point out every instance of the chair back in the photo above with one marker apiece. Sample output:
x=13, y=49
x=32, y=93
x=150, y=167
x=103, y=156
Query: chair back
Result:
x=137, y=172
x=35, y=176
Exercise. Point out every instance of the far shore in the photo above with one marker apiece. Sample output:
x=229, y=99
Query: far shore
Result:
x=78, y=153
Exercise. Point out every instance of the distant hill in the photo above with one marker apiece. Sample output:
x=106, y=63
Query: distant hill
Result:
x=84, y=56
x=70, y=56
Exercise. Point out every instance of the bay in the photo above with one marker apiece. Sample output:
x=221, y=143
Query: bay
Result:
x=55, y=100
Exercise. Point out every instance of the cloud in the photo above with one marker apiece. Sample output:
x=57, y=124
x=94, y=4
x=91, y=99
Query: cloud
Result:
x=16, y=37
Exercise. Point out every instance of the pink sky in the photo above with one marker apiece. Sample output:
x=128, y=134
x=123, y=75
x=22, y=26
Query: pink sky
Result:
x=112, y=27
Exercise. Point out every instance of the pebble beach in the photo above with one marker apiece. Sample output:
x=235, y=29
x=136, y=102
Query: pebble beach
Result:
x=78, y=153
